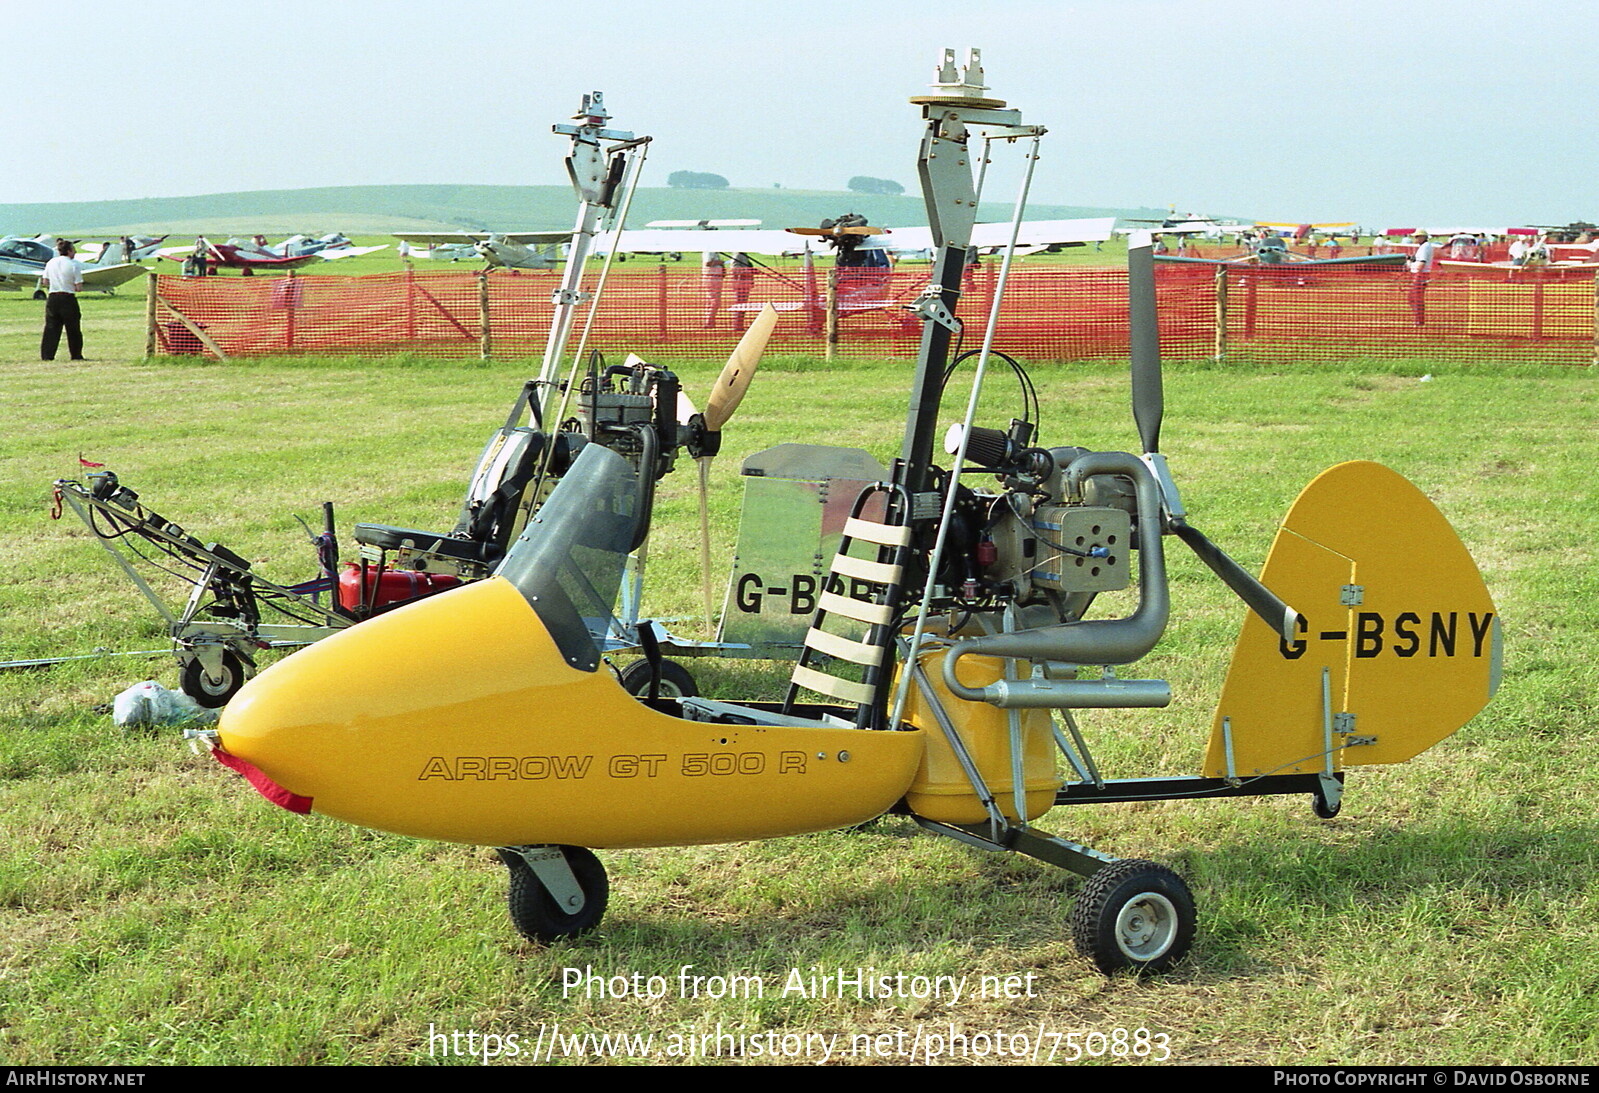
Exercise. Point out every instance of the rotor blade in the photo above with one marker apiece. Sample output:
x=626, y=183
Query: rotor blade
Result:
x=828, y=232
x=1261, y=600
x=1149, y=402
x=735, y=378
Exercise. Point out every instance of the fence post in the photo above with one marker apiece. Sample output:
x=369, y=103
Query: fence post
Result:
x=410, y=303
x=660, y=300
x=291, y=301
x=149, y=316
x=832, y=312
x=1221, y=313
x=483, y=313
x=1537, y=305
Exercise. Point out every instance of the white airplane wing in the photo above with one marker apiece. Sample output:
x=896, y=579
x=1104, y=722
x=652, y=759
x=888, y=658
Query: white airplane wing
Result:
x=106, y=278
x=1044, y=233
x=1034, y=235
x=428, y=239
x=674, y=240
x=528, y=239
x=333, y=254
x=12, y=282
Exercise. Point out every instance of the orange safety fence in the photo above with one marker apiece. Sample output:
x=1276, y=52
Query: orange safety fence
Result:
x=1050, y=313
x=1486, y=313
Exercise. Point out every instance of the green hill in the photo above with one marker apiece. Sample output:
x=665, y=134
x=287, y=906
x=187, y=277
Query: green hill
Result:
x=371, y=210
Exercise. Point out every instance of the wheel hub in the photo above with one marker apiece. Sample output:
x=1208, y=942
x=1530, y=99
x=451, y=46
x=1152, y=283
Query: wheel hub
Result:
x=1146, y=926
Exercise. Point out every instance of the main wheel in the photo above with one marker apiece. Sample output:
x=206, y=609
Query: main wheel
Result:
x=676, y=682
x=1134, y=915
x=535, y=913
x=212, y=693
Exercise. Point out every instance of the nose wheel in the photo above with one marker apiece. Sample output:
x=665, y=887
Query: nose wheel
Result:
x=555, y=891
x=212, y=687
x=1134, y=916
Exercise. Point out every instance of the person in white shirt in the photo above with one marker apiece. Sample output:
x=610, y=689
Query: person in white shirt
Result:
x=1421, y=264
x=63, y=278
x=1426, y=256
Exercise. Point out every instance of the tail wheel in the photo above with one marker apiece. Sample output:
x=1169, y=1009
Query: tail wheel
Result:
x=214, y=691
x=540, y=916
x=676, y=682
x=1134, y=915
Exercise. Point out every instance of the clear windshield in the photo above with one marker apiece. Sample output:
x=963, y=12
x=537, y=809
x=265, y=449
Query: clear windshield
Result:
x=568, y=561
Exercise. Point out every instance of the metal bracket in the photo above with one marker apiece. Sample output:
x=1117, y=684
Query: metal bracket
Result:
x=1344, y=725
x=1332, y=790
x=930, y=305
x=570, y=297
x=1352, y=595
x=552, y=870
x=1168, y=486
x=1227, y=741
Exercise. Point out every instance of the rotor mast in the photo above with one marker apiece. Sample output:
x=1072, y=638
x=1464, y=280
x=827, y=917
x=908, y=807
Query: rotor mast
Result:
x=598, y=165
x=945, y=167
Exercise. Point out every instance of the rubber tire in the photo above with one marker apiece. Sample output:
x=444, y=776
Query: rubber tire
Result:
x=533, y=910
x=1116, y=890
x=1319, y=805
x=213, y=695
x=676, y=682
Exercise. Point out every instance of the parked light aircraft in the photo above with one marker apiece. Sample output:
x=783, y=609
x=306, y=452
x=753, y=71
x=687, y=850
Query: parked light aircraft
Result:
x=1273, y=251
x=250, y=255
x=513, y=250
x=1302, y=230
x=23, y=260
x=139, y=247
x=1187, y=224
x=1034, y=236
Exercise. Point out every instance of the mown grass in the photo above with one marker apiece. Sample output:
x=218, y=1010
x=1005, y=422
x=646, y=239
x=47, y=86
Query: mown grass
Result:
x=154, y=910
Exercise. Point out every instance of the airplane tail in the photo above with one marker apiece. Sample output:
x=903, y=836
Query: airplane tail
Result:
x=1397, y=645
x=115, y=253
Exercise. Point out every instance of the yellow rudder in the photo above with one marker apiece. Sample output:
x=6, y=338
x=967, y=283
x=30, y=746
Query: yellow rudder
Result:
x=1398, y=641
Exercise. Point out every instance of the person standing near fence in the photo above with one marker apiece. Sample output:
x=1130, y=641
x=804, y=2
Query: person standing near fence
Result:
x=1421, y=266
x=712, y=274
x=63, y=278
x=743, y=277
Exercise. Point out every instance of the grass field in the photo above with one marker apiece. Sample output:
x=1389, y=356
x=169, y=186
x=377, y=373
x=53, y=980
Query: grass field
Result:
x=153, y=909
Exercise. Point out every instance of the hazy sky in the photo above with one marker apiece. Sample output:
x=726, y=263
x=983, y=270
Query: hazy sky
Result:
x=1383, y=111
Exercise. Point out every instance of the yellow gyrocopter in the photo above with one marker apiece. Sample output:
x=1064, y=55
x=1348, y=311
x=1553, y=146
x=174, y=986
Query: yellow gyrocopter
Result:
x=953, y=638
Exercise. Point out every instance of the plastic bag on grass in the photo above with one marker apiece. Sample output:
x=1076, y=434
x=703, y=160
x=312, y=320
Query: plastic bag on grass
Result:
x=150, y=704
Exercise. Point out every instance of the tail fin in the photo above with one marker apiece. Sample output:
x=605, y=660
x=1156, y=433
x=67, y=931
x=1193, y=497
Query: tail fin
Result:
x=115, y=253
x=1399, y=641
